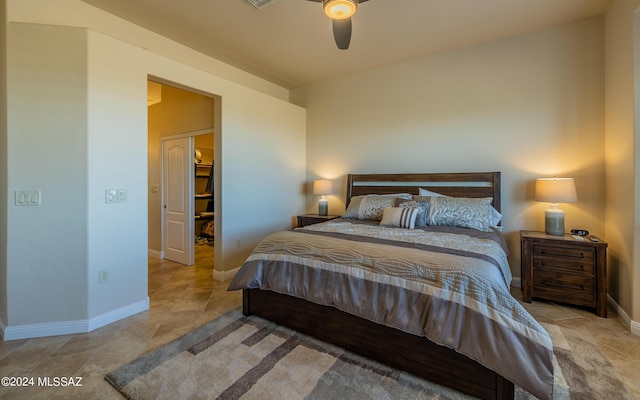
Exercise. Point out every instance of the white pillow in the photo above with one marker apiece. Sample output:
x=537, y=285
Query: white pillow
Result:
x=404, y=217
x=425, y=192
x=495, y=217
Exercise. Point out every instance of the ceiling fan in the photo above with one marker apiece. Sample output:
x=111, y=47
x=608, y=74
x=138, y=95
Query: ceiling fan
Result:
x=340, y=12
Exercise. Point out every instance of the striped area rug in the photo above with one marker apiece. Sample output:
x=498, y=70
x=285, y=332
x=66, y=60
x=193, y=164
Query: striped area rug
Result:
x=237, y=357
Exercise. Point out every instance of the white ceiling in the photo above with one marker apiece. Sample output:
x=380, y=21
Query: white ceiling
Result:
x=290, y=42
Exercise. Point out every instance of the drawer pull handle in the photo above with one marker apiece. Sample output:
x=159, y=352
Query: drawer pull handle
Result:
x=553, y=284
x=576, y=267
x=581, y=255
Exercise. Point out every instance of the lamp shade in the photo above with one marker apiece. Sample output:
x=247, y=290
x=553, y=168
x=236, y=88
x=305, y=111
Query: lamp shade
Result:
x=322, y=186
x=340, y=9
x=556, y=190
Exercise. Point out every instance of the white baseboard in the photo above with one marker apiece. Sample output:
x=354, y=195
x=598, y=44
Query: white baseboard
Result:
x=118, y=314
x=631, y=325
x=635, y=328
x=156, y=253
x=224, y=275
x=71, y=327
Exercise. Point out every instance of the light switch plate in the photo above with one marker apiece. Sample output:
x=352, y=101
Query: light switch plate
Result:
x=122, y=196
x=28, y=197
x=110, y=196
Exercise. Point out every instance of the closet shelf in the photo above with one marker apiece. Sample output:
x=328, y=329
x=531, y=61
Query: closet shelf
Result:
x=204, y=216
x=203, y=170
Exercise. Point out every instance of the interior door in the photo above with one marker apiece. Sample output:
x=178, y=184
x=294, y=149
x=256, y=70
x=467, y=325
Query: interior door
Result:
x=177, y=174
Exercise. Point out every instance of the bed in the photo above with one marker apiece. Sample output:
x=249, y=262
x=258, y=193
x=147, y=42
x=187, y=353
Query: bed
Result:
x=433, y=301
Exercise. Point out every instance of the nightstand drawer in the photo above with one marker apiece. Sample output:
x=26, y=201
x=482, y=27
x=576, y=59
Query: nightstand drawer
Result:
x=564, y=259
x=564, y=253
x=575, y=289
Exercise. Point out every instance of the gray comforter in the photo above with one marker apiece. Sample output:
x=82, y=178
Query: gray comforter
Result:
x=450, y=287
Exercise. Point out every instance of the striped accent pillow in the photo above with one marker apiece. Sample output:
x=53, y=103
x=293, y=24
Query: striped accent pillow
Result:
x=404, y=217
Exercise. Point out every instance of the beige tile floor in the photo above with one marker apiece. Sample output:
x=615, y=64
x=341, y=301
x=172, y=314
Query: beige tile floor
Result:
x=183, y=298
x=620, y=347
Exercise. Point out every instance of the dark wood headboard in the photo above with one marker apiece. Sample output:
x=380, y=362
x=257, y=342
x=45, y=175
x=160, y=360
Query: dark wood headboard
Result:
x=456, y=184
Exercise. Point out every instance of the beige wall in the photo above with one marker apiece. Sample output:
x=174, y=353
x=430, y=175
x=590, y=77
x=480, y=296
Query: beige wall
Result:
x=47, y=124
x=621, y=150
x=104, y=135
x=529, y=106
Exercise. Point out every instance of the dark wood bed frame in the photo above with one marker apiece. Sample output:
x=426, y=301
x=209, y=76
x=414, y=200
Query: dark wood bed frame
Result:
x=414, y=354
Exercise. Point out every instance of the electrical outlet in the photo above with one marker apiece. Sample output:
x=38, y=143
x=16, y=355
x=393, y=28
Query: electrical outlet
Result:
x=103, y=276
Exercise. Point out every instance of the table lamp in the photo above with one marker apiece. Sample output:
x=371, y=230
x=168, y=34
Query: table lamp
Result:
x=322, y=187
x=554, y=191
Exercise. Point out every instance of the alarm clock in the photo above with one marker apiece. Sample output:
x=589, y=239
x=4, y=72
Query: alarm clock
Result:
x=580, y=232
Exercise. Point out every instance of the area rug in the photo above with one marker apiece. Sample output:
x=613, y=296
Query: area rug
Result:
x=238, y=357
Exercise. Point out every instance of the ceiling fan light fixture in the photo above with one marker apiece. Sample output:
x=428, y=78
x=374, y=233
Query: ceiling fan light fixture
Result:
x=340, y=9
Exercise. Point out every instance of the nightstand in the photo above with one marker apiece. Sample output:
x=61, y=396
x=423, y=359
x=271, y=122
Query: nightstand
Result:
x=564, y=269
x=310, y=219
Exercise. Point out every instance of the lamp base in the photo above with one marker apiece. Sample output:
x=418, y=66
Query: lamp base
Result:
x=554, y=222
x=323, y=207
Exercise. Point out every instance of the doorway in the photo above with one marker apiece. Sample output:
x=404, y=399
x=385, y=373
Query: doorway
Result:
x=180, y=120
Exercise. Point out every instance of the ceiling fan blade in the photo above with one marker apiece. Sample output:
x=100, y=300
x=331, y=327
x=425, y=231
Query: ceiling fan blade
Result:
x=342, y=32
